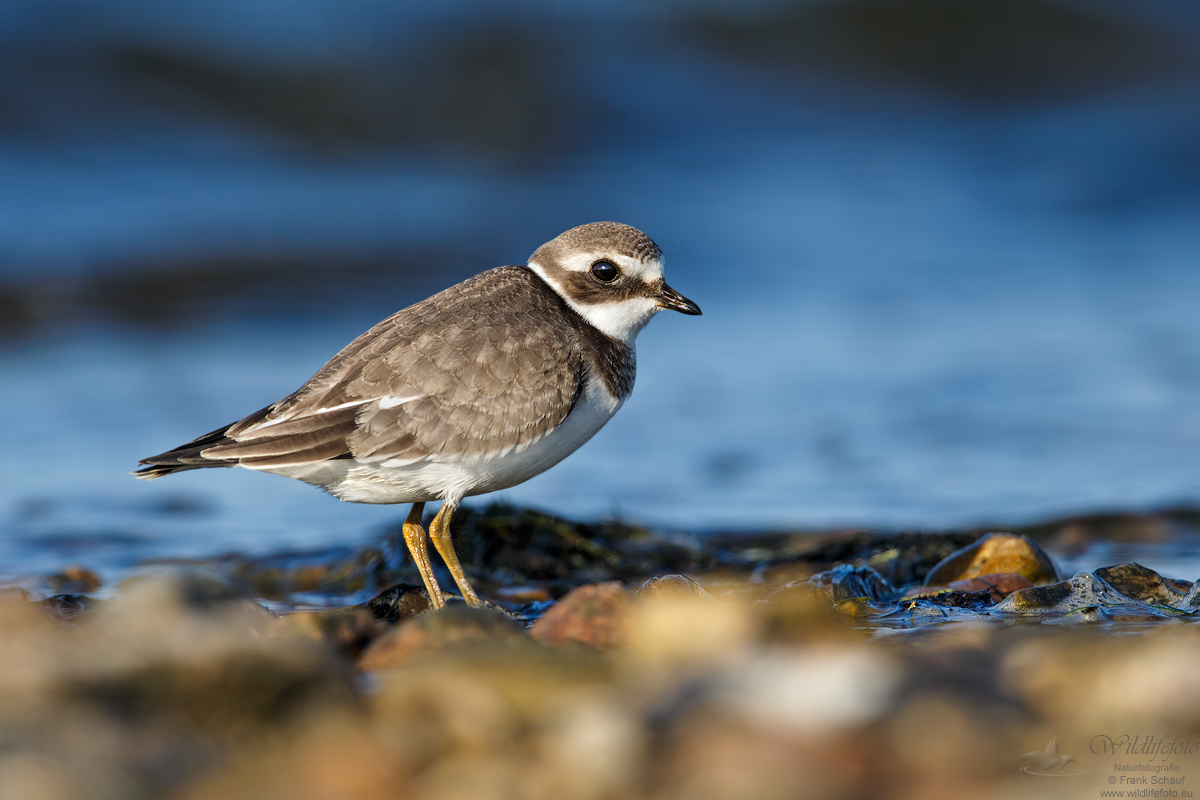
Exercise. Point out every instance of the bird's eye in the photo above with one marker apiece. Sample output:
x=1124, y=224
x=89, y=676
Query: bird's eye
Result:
x=605, y=271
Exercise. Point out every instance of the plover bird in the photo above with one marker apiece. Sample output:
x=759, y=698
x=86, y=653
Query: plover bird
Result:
x=475, y=389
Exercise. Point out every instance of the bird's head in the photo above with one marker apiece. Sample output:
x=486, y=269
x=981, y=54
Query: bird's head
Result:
x=611, y=274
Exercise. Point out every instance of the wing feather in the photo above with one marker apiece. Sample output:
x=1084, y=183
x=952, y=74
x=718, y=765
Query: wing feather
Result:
x=491, y=364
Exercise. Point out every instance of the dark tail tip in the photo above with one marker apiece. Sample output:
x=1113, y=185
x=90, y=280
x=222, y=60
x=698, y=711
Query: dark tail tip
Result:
x=158, y=470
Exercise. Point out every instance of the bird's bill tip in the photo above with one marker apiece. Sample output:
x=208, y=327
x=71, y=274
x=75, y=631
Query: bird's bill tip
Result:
x=669, y=298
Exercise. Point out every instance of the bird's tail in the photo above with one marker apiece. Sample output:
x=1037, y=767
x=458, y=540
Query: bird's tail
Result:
x=189, y=456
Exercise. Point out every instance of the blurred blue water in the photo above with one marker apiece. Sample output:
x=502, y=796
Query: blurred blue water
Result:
x=917, y=313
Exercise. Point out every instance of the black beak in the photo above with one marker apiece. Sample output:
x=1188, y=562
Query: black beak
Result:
x=669, y=298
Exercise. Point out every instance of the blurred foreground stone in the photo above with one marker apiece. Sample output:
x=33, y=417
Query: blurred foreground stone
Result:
x=454, y=626
x=785, y=668
x=594, y=615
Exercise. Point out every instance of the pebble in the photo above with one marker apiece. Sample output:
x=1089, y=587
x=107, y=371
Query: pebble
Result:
x=848, y=582
x=1141, y=583
x=993, y=554
x=399, y=602
x=1082, y=591
x=596, y=615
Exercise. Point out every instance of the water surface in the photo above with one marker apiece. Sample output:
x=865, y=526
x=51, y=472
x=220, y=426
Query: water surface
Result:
x=923, y=307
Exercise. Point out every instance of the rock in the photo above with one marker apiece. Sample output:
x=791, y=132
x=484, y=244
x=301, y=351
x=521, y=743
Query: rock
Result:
x=676, y=633
x=1191, y=601
x=401, y=601
x=995, y=553
x=999, y=585
x=950, y=598
x=74, y=580
x=595, y=615
x=456, y=625
x=1084, y=590
x=672, y=584
x=154, y=654
x=1141, y=583
x=855, y=608
x=846, y=582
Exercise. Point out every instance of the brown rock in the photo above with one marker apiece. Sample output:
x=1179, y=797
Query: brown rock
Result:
x=596, y=615
x=453, y=626
x=1140, y=583
x=999, y=584
x=995, y=553
x=399, y=602
x=1084, y=592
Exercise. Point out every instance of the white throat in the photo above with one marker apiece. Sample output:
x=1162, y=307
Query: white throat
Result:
x=622, y=320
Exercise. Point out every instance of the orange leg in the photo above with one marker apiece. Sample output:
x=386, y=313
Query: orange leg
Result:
x=439, y=534
x=414, y=537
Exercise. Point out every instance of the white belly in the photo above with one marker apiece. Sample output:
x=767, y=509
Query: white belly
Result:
x=438, y=478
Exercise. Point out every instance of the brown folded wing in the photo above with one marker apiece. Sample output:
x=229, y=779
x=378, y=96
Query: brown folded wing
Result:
x=486, y=366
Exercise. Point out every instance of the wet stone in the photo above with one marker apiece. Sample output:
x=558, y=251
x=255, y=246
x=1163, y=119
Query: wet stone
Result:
x=847, y=582
x=995, y=553
x=1191, y=601
x=1141, y=583
x=596, y=615
x=955, y=607
x=399, y=602
x=1083, y=591
x=855, y=607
